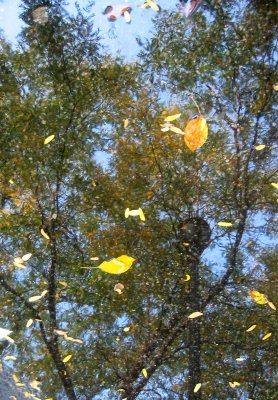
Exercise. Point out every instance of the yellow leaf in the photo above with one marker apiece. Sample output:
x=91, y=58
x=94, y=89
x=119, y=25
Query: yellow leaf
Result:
x=223, y=223
x=127, y=17
x=44, y=234
x=18, y=265
x=67, y=358
x=271, y=305
x=153, y=5
x=187, y=277
x=35, y=385
x=49, y=139
x=196, y=314
x=126, y=122
x=234, y=384
x=60, y=332
x=260, y=147
x=172, y=117
x=7, y=358
x=94, y=183
x=258, y=297
x=126, y=329
x=141, y=215
x=267, y=336
x=94, y=258
x=127, y=213
x=9, y=339
x=144, y=372
x=275, y=185
x=15, y=378
x=197, y=387
x=63, y=283
x=275, y=87
x=29, y=323
x=239, y=359
x=176, y=130
x=196, y=133
x=34, y=298
x=117, y=265
x=251, y=328
x=27, y=256
x=11, y=181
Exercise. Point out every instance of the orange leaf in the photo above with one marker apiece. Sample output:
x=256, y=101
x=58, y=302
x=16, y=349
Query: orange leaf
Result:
x=196, y=133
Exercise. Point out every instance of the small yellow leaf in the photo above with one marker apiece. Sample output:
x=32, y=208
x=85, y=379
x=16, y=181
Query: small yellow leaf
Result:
x=67, y=358
x=239, y=359
x=35, y=384
x=196, y=314
x=172, y=117
x=126, y=122
x=11, y=181
x=187, y=277
x=94, y=183
x=117, y=265
x=7, y=358
x=271, y=305
x=34, y=298
x=144, y=372
x=44, y=234
x=260, y=147
x=267, y=336
x=153, y=5
x=234, y=384
x=15, y=378
x=60, y=332
x=196, y=133
x=176, y=130
x=127, y=329
x=63, y=283
x=258, y=297
x=251, y=328
x=9, y=339
x=49, y=139
x=27, y=256
x=141, y=215
x=127, y=17
x=18, y=265
x=223, y=223
x=275, y=185
x=275, y=87
x=119, y=287
x=29, y=323
x=197, y=387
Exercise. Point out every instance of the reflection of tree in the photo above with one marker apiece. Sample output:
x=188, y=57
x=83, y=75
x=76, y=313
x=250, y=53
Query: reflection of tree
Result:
x=58, y=83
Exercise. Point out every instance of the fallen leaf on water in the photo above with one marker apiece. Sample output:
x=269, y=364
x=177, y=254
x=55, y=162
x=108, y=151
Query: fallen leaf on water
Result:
x=258, y=297
x=271, y=305
x=49, y=139
x=126, y=122
x=127, y=17
x=60, y=332
x=260, y=147
x=196, y=133
x=117, y=265
x=67, y=358
x=275, y=185
x=15, y=378
x=44, y=234
x=196, y=314
x=176, y=130
x=38, y=297
x=29, y=323
x=27, y=256
x=197, y=387
x=9, y=339
x=35, y=385
x=251, y=328
x=7, y=358
x=234, y=384
x=134, y=213
x=4, y=333
x=152, y=4
x=94, y=258
x=172, y=117
x=144, y=372
x=223, y=223
x=267, y=336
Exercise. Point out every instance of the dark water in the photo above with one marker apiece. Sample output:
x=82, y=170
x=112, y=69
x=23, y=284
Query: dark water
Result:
x=138, y=192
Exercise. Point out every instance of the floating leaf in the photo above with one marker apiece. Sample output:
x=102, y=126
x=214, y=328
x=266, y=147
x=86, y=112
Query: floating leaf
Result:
x=195, y=314
x=94, y=258
x=152, y=4
x=275, y=87
x=127, y=17
x=172, y=117
x=187, y=277
x=196, y=133
x=15, y=378
x=251, y=328
x=144, y=372
x=29, y=323
x=134, y=213
x=267, y=336
x=4, y=333
x=60, y=332
x=64, y=284
x=127, y=329
x=260, y=147
x=35, y=384
x=27, y=256
x=18, y=265
x=7, y=358
x=176, y=130
x=49, y=139
x=271, y=305
x=67, y=358
x=117, y=265
x=225, y=224
x=234, y=384
x=9, y=339
x=38, y=297
x=258, y=297
x=197, y=387
x=275, y=185
x=126, y=122
x=44, y=234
